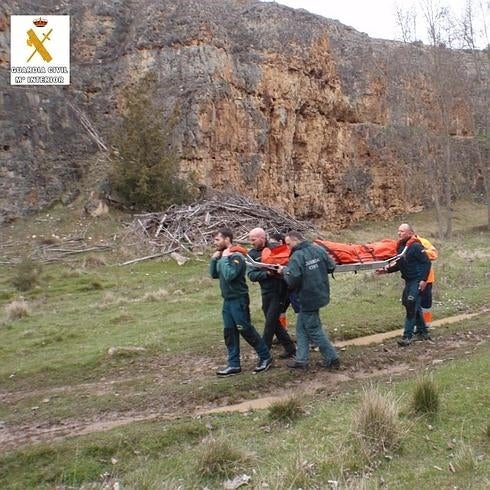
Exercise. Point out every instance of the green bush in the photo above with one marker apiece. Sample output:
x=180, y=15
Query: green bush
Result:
x=219, y=457
x=146, y=166
x=376, y=427
x=286, y=410
x=426, y=396
x=26, y=275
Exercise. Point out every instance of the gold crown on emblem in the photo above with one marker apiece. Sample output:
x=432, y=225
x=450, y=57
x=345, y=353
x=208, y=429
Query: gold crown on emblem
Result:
x=40, y=22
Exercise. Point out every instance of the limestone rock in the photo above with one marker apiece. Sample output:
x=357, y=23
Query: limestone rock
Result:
x=179, y=258
x=124, y=351
x=96, y=207
x=276, y=104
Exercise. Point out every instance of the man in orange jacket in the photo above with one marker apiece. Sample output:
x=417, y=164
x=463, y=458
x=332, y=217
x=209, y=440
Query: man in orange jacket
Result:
x=414, y=266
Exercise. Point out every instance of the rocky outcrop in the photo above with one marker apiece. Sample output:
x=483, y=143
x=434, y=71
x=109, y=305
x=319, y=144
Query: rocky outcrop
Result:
x=280, y=105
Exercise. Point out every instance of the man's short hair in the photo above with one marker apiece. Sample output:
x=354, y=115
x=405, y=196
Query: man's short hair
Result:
x=278, y=237
x=408, y=227
x=225, y=233
x=296, y=235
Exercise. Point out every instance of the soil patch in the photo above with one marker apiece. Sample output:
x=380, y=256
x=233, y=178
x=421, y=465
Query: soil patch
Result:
x=360, y=361
x=378, y=338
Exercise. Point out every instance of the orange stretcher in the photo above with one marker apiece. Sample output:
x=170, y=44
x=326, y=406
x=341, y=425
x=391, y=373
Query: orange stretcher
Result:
x=348, y=257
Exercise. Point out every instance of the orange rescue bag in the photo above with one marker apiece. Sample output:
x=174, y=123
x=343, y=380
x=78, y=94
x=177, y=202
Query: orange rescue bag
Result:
x=350, y=253
x=277, y=255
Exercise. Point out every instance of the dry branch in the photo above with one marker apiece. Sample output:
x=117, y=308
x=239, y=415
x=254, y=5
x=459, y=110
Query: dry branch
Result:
x=148, y=257
x=67, y=248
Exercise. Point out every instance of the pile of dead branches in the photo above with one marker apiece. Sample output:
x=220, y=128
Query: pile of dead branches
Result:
x=191, y=227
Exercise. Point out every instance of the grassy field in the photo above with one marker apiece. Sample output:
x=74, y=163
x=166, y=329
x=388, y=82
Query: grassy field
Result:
x=446, y=450
x=93, y=340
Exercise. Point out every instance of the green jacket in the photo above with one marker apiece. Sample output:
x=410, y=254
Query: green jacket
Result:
x=268, y=283
x=231, y=274
x=307, y=274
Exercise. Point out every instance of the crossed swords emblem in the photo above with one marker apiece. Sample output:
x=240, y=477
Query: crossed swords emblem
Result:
x=38, y=44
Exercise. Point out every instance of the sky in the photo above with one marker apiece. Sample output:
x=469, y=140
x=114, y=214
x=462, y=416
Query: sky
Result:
x=374, y=17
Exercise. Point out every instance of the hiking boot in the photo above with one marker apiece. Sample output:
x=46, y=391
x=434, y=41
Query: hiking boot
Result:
x=263, y=365
x=297, y=365
x=420, y=337
x=330, y=365
x=286, y=355
x=229, y=371
x=404, y=342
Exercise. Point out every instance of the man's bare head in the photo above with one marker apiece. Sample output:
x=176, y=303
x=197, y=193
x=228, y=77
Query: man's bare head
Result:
x=405, y=231
x=257, y=238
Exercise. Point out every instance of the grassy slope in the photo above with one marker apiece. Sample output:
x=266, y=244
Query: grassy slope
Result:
x=164, y=452
x=78, y=312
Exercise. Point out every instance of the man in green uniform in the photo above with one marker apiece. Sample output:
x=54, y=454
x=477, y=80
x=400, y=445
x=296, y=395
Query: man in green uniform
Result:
x=228, y=265
x=307, y=274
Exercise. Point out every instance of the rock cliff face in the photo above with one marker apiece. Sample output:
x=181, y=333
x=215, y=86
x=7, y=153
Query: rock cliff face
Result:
x=276, y=104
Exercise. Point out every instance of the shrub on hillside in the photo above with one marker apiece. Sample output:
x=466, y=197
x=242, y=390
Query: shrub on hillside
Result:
x=16, y=310
x=376, y=428
x=219, y=457
x=425, y=396
x=146, y=166
x=26, y=275
x=464, y=458
x=286, y=410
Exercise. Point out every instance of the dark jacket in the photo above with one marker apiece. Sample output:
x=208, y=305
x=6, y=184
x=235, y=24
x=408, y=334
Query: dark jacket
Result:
x=230, y=271
x=269, y=283
x=307, y=273
x=414, y=265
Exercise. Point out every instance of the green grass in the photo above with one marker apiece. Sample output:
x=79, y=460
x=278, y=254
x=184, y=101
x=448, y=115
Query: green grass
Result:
x=55, y=365
x=85, y=460
x=77, y=314
x=425, y=396
x=287, y=410
x=72, y=324
x=315, y=448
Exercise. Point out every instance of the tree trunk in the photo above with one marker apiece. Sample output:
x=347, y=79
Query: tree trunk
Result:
x=447, y=182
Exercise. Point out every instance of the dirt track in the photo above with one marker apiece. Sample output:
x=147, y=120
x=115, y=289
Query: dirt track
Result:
x=370, y=361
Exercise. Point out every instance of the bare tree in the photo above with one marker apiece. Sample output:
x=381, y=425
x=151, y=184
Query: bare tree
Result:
x=406, y=19
x=440, y=31
x=470, y=34
x=435, y=123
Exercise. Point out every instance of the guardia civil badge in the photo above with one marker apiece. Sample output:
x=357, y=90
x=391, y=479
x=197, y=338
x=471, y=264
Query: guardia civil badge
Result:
x=39, y=49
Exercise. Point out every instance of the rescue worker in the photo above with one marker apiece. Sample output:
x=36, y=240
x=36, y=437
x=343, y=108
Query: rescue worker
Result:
x=228, y=265
x=307, y=274
x=414, y=267
x=274, y=293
